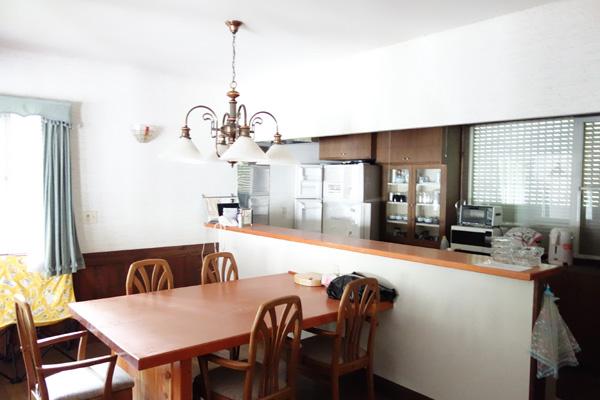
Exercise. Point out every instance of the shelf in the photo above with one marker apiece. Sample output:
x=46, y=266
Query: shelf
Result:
x=429, y=184
x=397, y=202
x=428, y=204
x=393, y=221
x=428, y=225
x=397, y=183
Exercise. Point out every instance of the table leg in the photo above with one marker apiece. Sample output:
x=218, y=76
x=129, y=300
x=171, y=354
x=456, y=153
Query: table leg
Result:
x=165, y=382
x=181, y=386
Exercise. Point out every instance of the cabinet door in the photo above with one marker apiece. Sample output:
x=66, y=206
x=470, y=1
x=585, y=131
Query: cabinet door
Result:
x=426, y=145
x=398, y=210
x=411, y=146
x=429, y=182
x=346, y=147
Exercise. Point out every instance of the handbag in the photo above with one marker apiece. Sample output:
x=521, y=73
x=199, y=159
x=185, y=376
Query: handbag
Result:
x=337, y=286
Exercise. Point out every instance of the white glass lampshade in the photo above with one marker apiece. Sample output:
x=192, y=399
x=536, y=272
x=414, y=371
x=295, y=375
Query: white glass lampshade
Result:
x=183, y=150
x=244, y=150
x=278, y=154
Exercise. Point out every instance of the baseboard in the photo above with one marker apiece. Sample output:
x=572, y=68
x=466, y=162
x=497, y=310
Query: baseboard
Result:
x=395, y=391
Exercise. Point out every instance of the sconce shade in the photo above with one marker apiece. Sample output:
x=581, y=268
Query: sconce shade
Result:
x=244, y=149
x=183, y=150
x=278, y=154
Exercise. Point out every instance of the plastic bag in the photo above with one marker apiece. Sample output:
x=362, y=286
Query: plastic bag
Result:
x=552, y=343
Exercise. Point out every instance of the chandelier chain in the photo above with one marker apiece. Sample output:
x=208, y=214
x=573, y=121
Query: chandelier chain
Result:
x=233, y=83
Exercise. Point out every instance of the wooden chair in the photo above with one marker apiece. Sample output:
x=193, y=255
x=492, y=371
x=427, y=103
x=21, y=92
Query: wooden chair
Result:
x=335, y=353
x=263, y=375
x=160, y=278
x=94, y=378
x=218, y=267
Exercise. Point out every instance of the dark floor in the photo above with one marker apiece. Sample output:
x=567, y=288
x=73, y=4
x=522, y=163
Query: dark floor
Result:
x=574, y=383
x=352, y=386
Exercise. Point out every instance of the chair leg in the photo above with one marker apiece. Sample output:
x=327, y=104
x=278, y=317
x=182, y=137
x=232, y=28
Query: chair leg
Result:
x=370, y=383
x=335, y=387
x=234, y=353
x=206, y=392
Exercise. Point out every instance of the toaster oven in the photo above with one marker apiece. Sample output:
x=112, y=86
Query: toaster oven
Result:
x=480, y=215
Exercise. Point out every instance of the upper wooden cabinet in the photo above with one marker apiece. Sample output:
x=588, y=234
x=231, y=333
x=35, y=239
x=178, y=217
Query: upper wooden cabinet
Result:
x=414, y=146
x=347, y=147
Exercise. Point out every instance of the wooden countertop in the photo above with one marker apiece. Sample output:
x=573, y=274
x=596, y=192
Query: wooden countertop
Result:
x=447, y=259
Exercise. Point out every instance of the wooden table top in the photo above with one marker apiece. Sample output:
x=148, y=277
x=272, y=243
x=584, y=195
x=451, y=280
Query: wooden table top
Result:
x=153, y=329
x=441, y=258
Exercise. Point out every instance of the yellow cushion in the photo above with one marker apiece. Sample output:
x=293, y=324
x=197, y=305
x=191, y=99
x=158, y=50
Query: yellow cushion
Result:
x=48, y=297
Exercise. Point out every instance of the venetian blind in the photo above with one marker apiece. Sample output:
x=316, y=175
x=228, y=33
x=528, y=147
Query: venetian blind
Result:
x=590, y=191
x=527, y=168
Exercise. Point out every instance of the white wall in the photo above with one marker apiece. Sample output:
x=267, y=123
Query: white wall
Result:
x=141, y=201
x=540, y=62
x=452, y=335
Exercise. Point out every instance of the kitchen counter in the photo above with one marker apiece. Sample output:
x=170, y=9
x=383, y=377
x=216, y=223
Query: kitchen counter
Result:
x=451, y=316
x=447, y=259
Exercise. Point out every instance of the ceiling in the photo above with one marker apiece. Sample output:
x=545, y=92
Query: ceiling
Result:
x=188, y=36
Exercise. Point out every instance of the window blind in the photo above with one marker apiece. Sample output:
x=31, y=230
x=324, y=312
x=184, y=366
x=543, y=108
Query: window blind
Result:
x=527, y=168
x=589, y=234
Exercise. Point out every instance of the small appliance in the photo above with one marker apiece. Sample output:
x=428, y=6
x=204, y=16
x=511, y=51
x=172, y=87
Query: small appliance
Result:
x=560, y=248
x=480, y=215
x=473, y=238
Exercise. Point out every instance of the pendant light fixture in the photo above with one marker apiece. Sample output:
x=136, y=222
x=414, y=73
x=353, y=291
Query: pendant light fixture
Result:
x=234, y=139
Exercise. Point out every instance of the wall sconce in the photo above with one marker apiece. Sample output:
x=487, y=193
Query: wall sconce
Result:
x=143, y=133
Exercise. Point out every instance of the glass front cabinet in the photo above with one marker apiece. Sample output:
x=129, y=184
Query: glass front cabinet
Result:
x=415, y=204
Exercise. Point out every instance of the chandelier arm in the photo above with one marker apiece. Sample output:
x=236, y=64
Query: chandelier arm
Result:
x=210, y=113
x=258, y=114
x=240, y=108
x=224, y=120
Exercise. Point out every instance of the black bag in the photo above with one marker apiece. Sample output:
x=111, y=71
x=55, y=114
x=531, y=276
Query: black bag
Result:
x=337, y=286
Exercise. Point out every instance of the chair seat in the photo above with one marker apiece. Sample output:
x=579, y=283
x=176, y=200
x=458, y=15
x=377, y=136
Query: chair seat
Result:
x=85, y=383
x=230, y=383
x=320, y=348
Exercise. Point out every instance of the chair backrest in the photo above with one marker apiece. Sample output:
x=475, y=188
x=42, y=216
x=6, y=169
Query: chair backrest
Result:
x=138, y=279
x=358, y=307
x=218, y=267
x=29, y=347
x=274, y=321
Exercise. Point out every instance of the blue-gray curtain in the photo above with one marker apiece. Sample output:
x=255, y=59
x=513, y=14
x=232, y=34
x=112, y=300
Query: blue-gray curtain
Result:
x=61, y=253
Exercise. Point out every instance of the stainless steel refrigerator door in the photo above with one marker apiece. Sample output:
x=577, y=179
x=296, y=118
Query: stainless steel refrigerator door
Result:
x=347, y=219
x=308, y=214
x=260, y=209
x=309, y=182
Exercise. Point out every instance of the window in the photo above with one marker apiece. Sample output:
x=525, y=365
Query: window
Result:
x=526, y=167
x=21, y=184
x=543, y=173
x=589, y=233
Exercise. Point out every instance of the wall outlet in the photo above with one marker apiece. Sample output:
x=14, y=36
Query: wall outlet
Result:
x=90, y=217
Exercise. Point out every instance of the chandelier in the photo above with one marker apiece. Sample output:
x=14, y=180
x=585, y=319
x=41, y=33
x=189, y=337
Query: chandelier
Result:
x=234, y=138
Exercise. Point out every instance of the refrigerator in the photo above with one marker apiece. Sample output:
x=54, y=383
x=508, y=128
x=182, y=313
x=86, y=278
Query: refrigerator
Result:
x=351, y=200
x=253, y=184
x=308, y=203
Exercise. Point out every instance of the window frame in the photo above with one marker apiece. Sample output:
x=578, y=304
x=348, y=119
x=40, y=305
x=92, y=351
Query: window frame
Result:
x=576, y=173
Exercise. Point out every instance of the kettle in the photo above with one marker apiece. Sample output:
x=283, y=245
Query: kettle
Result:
x=560, y=248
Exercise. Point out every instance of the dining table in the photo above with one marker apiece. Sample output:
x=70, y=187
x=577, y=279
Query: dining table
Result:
x=157, y=334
